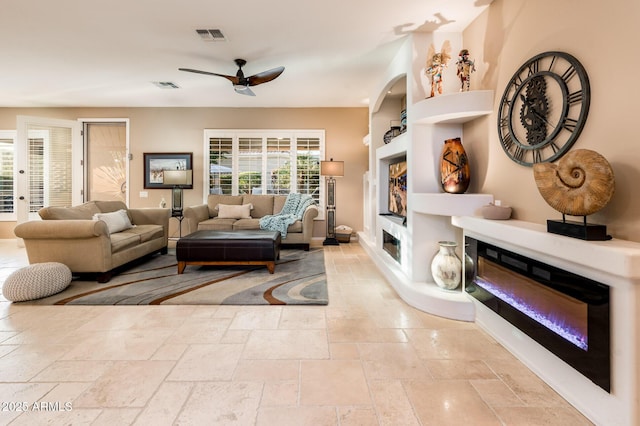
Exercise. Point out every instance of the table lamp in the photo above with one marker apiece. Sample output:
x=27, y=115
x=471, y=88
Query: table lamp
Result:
x=177, y=178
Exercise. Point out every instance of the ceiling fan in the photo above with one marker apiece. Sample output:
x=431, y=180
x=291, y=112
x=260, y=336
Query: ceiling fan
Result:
x=240, y=82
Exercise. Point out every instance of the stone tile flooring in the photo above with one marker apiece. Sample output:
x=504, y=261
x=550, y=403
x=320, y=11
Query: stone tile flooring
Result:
x=365, y=359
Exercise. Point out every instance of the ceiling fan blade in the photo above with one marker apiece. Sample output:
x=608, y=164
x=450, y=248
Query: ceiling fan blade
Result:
x=232, y=78
x=265, y=76
x=240, y=82
x=243, y=90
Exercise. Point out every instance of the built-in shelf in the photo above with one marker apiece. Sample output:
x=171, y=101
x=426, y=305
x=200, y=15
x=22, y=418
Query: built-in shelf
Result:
x=445, y=204
x=615, y=257
x=396, y=220
x=397, y=145
x=453, y=108
x=428, y=297
x=429, y=122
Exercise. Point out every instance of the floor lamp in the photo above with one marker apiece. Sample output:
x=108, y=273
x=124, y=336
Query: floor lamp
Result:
x=331, y=169
x=179, y=179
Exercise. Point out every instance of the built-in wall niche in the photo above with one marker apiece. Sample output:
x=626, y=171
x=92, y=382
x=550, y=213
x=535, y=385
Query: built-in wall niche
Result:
x=388, y=112
x=393, y=169
x=397, y=180
x=429, y=123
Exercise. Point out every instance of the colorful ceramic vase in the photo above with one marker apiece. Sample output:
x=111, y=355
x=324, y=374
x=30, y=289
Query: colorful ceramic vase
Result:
x=454, y=167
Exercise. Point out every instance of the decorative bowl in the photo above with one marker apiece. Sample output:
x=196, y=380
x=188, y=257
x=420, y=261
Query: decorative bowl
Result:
x=493, y=212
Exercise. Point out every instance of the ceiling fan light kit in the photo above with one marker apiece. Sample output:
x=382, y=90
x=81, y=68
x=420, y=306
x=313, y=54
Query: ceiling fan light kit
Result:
x=243, y=90
x=240, y=82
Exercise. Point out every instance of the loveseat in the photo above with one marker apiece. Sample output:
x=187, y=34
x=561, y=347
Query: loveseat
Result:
x=233, y=212
x=95, y=237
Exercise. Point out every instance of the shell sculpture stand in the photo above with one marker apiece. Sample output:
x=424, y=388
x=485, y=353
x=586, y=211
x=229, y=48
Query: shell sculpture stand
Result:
x=579, y=184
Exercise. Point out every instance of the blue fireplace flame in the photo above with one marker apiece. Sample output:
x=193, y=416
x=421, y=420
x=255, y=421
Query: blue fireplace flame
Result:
x=556, y=325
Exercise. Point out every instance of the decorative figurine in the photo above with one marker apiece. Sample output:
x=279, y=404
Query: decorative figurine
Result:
x=436, y=63
x=465, y=67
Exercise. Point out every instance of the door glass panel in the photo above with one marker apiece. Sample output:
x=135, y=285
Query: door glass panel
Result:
x=6, y=176
x=49, y=159
x=106, y=161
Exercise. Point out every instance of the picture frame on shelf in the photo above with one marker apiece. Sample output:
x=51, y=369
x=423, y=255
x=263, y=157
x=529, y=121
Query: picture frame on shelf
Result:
x=155, y=163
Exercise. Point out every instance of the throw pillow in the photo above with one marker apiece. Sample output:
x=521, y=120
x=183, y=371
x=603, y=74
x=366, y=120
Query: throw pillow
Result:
x=116, y=221
x=226, y=211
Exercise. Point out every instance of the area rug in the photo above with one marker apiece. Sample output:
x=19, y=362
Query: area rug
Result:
x=299, y=279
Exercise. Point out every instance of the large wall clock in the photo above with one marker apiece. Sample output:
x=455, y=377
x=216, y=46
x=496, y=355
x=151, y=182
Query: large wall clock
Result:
x=544, y=108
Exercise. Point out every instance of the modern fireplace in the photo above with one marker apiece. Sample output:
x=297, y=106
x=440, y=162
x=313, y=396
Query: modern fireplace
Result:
x=391, y=245
x=566, y=313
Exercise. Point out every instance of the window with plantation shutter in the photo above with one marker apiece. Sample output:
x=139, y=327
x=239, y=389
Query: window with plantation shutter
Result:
x=265, y=162
x=279, y=165
x=220, y=165
x=249, y=165
x=308, y=166
x=7, y=184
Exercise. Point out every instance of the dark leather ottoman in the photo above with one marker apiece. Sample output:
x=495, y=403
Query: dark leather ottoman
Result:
x=242, y=247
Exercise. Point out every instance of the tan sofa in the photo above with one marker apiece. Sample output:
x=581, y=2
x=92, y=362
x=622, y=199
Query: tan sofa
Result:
x=69, y=235
x=205, y=216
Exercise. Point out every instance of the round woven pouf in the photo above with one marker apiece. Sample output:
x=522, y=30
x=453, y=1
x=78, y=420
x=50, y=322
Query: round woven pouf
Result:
x=36, y=281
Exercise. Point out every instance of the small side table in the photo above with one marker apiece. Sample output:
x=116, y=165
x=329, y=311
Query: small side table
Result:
x=180, y=217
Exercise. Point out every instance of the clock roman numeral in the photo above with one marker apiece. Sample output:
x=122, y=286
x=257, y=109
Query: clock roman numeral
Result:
x=517, y=83
x=518, y=154
x=568, y=74
x=534, y=67
x=575, y=97
x=569, y=124
x=507, y=141
x=537, y=156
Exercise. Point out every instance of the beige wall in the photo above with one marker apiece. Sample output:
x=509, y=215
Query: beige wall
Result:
x=604, y=39
x=181, y=130
x=500, y=40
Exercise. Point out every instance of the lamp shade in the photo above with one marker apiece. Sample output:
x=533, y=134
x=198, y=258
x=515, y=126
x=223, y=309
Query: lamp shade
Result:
x=177, y=177
x=332, y=168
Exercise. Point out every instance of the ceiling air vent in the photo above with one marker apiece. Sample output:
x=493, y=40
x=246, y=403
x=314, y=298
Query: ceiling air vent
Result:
x=211, y=35
x=166, y=85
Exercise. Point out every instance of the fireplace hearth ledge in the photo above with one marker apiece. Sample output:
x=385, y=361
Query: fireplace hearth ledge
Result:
x=615, y=263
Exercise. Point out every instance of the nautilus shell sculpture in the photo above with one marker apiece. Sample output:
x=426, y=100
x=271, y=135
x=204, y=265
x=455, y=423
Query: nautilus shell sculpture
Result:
x=579, y=184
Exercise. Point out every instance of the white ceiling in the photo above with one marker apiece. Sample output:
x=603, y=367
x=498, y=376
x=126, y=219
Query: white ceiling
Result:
x=107, y=53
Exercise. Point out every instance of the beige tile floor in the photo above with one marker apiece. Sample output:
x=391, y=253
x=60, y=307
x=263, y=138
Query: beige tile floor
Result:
x=365, y=359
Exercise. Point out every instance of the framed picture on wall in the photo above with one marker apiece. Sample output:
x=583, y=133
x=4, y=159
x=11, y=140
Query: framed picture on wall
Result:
x=155, y=164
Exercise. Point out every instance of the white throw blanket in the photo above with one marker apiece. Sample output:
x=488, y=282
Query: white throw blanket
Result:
x=293, y=210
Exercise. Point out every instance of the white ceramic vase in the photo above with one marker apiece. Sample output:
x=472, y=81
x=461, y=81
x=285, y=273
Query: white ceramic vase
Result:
x=446, y=267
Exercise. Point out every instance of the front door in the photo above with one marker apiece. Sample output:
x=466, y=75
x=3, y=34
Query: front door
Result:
x=105, y=146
